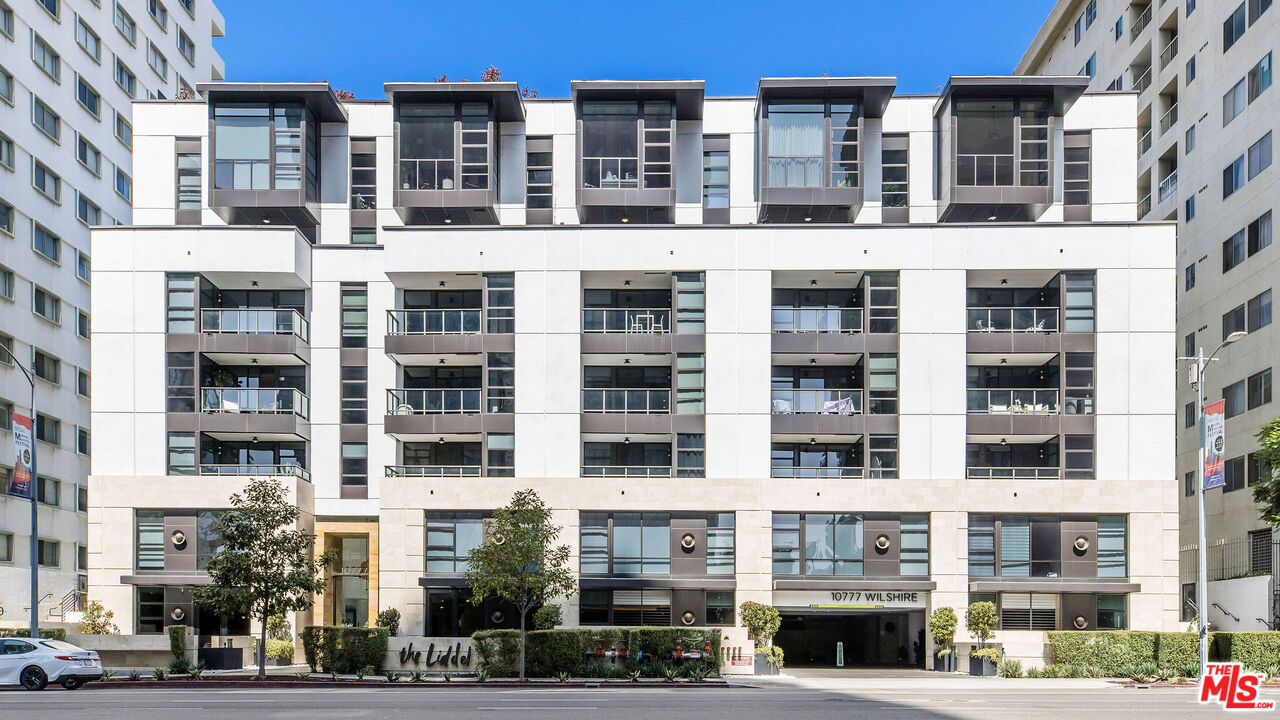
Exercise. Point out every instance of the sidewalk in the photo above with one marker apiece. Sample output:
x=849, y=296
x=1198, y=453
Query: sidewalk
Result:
x=872, y=679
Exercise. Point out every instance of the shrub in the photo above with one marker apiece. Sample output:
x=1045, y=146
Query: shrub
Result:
x=1175, y=649
x=942, y=626
x=1035, y=672
x=774, y=656
x=547, y=617
x=991, y=654
x=178, y=641
x=311, y=647
x=1257, y=651
x=276, y=649
x=45, y=633
x=1009, y=669
x=980, y=620
x=98, y=621
x=761, y=621
x=344, y=649
x=572, y=650
x=278, y=629
x=179, y=665
x=497, y=650
x=1111, y=650
x=390, y=619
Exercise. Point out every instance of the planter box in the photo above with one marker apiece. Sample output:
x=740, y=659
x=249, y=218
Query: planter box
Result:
x=981, y=667
x=763, y=667
x=945, y=663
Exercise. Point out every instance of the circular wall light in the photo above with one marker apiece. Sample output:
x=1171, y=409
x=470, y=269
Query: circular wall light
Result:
x=688, y=541
x=882, y=543
x=1080, y=622
x=688, y=617
x=497, y=617
x=177, y=613
x=178, y=538
x=1081, y=545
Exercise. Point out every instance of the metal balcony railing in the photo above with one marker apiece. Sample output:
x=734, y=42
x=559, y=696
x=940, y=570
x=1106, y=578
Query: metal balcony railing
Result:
x=626, y=471
x=626, y=320
x=815, y=472
x=788, y=401
x=1144, y=143
x=1168, y=184
x=283, y=470
x=1144, y=206
x=255, y=401
x=433, y=470
x=1231, y=559
x=1169, y=53
x=1142, y=81
x=1169, y=119
x=995, y=473
x=434, y=322
x=1029, y=401
x=422, y=401
x=1139, y=25
x=254, y=321
x=643, y=401
x=817, y=320
x=1013, y=319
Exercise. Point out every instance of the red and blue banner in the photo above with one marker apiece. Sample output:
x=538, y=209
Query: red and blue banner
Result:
x=23, y=484
x=1214, y=444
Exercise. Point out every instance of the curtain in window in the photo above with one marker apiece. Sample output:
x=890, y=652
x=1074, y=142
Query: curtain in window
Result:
x=795, y=149
x=1015, y=547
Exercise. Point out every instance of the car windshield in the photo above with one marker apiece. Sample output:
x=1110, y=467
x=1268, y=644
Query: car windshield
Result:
x=60, y=645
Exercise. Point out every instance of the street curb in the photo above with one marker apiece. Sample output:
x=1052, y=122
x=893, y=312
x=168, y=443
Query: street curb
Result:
x=285, y=683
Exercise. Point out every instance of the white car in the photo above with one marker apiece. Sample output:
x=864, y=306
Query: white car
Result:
x=33, y=665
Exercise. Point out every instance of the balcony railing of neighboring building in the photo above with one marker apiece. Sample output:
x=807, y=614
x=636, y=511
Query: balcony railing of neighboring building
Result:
x=996, y=473
x=1139, y=25
x=1169, y=53
x=424, y=401
x=1144, y=206
x=817, y=320
x=255, y=401
x=1142, y=81
x=626, y=320
x=1169, y=119
x=1231, y=559
x=626, y=400
x=626, y=471
x=433, y=470
x=1029, y=401
x=1144, y=143
x=254, y=321
x=791, y=471
x=1168, y=184
x=787, y=401
x=285, y=470
x=434, y=322
x=1013, y=319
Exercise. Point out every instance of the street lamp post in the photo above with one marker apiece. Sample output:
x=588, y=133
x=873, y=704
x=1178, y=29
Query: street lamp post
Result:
x=35, y=552
x=1202, y=573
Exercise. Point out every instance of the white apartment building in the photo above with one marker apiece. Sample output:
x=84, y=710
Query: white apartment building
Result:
x=69, y=71
x=749, y=348
x=1206, y=119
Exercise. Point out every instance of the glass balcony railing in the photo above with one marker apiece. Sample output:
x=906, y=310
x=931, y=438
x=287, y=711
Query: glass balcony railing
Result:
x=626, y=400
x=1013, y=402
x=434, y=322
x=433, y=470
x=254, y=321
x=610, y=172
x=984, y=170
x=788, y=401
x=402, y=401
x=254, y=401
x=626, y=471
x=1013, y=319
x=996, y=473
x=283, y=470
x=817, y=320
x=626, y=320
x=815, y=472
x=424, y=174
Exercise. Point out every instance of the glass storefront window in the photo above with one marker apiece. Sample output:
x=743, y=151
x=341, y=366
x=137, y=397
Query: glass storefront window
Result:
x=1112, y=612
x=150, y=610
x=720, y=607
x=350, y=590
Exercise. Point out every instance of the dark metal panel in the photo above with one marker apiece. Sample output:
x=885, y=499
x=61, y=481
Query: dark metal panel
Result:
x=853, y=584
x=1046, y=585
x=180, y=557
x=1077, y=563
x=819, y=343
x=688, y=561
x=693, y=602
x=645, y=343
x=349, y=432
x=814, y=424
x=451, y=344
x=1075, y=605
x=877, y=562
x=634, y=583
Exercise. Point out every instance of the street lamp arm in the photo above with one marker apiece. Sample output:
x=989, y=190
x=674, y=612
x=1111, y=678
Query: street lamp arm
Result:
x=18, y=364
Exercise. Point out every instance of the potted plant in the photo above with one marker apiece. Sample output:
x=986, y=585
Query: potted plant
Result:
x=761, y=622
x=980, y=619
x=942, y=626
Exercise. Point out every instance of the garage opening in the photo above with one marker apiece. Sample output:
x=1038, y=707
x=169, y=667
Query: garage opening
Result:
x=852, y=639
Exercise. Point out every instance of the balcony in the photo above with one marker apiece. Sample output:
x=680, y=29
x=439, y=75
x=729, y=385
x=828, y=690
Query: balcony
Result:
x=439, y=322
x=626, y=471
x=1139, y=24
x=1144, y=206
x=646, y=456
x=1142, y=80
x=1013, y=319
x=1024, y=401
x=1017, y=473
x=1168, y=185
x=626, y=320
x=1169, y=52
x=434, y=322
x=434, y=470
x=284, y=470
x=254, y=401
x=254, y=321
x=643, y=401
x=409, y=401
x=817, y=319
x=1169, y=119
x=1144, y=143
x=816, y=472
x=816, y=402
x=270, y=336
x=422, y=414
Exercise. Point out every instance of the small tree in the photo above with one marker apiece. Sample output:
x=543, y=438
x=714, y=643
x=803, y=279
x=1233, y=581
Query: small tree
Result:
x=519, y=561
x=390, y=619
x=980, y=620
x=761, y=621
x=547, y=617
x=278, y=628
x=1266, y=492
x=942, y=626
x=266, y=566
x=98, y=621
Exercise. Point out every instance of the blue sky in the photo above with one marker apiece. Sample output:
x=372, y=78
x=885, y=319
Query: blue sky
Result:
x=360, y=44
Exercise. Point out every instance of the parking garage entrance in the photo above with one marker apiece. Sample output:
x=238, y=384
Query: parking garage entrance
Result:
x=852, y=629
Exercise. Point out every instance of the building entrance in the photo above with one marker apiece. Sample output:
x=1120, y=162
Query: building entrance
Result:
x=870, y=639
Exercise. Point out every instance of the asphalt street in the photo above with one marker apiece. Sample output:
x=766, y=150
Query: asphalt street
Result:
x=625, y=703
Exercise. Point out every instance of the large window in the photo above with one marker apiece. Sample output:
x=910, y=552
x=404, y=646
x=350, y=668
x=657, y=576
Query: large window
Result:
x=1260, y=156
x=1233, y=27
x=260, y=147
x=799, y=146
x=1032, y=545
x=720, y=544
x=624, y=143
x=894, y=153
x=355, y=316
x=625, y=543
x=992, y=134
x=818, y=544
x=651, y=606
x=444, y=146
x=450, y=539
x=355, y=394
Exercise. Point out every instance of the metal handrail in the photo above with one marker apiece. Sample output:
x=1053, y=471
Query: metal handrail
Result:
x=1144, y=206
x=433, y=401
x=788, y=401
x=285, y=470
x=1169, y=119
x=995, y=473
x=1143, y=81
x=1169, y=184
x=434, y=322
x=816, y=320
x=1139, y=25
x=1144, y=143
x=626, y=320
x=254, y=321
x=998, y=166
x=626, y=471
x=426, y=174
x=1019, y=401
x=626, y=400
x=1170, y=52
x=433, y=470
x=254, y=401
x=1013, y=319
x=815, y=472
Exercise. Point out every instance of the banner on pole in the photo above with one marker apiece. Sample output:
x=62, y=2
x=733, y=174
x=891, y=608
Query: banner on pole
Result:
x=23, y=484
x=1215, y=444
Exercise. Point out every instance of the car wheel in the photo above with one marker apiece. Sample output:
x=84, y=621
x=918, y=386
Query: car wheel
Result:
x=33, y=678
x=72, y=683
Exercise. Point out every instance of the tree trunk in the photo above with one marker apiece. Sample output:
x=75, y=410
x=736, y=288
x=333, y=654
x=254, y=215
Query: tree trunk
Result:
x=522, y=644
x=262, y=648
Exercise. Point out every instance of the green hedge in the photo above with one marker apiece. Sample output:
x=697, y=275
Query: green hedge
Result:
x=1113, y=650
x=45, y=633
x=1176, y=650
x=551, y=652
x=276, y=649
x=1257, y=651
x=344, y=649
